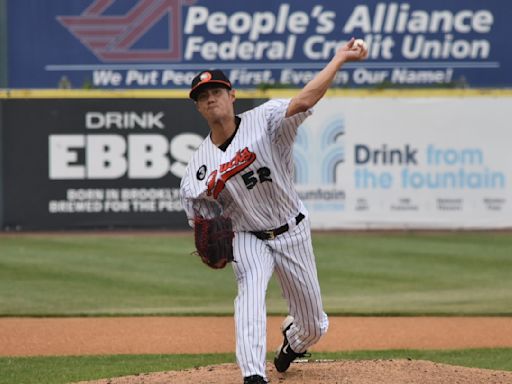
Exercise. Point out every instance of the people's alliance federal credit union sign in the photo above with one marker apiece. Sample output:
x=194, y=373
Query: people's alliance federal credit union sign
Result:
x=164, y=43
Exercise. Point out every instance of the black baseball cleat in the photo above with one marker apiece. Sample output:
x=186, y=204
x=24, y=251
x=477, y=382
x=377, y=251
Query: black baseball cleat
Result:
x=255, y=379
x=285, y=355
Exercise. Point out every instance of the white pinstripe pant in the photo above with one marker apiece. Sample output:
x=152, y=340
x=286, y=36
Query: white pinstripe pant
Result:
x=291, y=256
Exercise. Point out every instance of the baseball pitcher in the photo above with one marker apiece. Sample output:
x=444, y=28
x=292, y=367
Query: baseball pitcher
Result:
x=239, y=196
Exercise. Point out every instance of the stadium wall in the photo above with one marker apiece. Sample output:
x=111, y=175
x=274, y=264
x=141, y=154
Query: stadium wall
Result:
x=134, y=59
x=380, y=159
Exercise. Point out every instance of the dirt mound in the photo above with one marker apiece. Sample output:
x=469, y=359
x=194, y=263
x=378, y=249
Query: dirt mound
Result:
x=329, y=372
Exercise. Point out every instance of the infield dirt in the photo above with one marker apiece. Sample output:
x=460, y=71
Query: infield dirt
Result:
x=174, y=335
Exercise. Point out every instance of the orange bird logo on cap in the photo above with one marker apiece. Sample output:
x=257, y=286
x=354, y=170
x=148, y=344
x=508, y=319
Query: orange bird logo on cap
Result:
x=205, y=76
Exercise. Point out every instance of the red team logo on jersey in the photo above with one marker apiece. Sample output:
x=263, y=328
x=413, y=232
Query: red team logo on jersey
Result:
x=218, y=178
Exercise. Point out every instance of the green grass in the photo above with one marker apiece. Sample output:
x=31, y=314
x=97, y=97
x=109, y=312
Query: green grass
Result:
x=56, y=370
x=368, y=274
x=452, y=273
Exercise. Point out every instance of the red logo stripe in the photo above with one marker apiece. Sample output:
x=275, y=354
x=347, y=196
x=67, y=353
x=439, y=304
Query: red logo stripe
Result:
x=98, y=7
x=111, y=37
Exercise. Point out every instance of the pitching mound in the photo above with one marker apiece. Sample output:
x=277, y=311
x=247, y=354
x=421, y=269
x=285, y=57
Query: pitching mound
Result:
x=330, y=372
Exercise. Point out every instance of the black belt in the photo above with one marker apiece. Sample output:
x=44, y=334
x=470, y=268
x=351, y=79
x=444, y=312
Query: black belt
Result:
x=272, y=233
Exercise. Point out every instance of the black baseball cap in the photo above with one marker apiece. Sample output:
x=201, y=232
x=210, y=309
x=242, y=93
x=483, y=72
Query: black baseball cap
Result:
x=208, y=78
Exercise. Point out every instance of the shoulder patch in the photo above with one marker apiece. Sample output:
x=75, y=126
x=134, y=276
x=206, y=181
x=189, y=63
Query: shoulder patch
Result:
x=201, y=172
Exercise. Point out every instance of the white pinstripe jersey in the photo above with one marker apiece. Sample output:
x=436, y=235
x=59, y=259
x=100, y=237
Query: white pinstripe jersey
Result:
x=252, y=180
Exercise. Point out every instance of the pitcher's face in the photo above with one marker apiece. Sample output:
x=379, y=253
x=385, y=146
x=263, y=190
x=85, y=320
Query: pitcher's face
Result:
x=215, y=103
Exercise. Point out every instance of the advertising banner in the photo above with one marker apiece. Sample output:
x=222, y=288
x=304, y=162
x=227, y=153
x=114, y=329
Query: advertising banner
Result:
x=72, y=164
x=407, y=163
x=163, y=43
x=360, y=162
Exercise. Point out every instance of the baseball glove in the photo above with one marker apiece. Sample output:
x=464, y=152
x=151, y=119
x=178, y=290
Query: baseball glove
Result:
x=214, y=240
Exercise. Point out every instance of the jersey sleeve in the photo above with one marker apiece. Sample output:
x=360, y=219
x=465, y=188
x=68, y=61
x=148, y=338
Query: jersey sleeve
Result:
x=196, y=203
x=186, y=198
x=283, y=129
